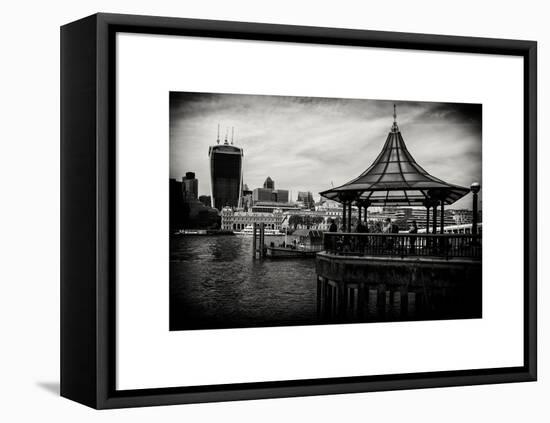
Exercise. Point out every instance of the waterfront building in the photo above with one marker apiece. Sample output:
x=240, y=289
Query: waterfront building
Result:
x=238, y=220
x=226, y=172
x=271, y=206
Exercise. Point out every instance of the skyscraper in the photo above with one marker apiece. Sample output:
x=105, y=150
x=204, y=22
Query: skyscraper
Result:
x=191, y=186
x=269, y=183
x=226, y=164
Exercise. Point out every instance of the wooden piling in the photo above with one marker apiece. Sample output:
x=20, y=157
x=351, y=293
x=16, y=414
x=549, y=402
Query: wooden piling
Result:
x=262, y=240
x=254, y=240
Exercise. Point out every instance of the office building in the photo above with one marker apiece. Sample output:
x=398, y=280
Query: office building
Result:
x=226, y=171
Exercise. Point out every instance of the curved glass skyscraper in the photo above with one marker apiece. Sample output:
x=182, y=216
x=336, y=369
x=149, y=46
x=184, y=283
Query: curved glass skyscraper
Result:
x=226, y=164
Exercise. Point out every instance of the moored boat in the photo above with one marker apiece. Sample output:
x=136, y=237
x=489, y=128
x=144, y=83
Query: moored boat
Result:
x=249, y=231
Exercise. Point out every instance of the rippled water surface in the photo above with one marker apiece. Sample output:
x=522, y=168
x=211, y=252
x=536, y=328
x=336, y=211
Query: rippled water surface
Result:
x=215, y=283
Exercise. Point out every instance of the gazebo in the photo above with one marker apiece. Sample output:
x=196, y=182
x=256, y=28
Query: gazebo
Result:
x=395, y=178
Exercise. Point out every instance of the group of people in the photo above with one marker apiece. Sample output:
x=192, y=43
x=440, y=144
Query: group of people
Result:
x=388, y=227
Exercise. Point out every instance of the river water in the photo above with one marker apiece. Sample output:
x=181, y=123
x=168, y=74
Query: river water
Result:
x=215, y=283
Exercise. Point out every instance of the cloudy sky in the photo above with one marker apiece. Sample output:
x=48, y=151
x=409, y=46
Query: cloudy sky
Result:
x=308, y=143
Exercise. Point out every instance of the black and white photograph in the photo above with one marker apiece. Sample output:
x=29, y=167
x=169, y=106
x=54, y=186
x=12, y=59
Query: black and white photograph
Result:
x=290, y=211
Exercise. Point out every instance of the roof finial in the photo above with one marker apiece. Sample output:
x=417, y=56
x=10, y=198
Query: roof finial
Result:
x=218, y=139
x=394, y=127
x=232, y=134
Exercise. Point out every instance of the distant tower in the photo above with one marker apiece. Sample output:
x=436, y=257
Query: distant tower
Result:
x=226, y=169
x=269, y=183
x=191, y=186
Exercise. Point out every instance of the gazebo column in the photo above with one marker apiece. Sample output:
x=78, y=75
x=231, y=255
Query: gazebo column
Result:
x=427, y=219
x=434, y=223
x=349, y=216
x=362, y=205
x=359, y=213
x=442, y=216
x=344, y=217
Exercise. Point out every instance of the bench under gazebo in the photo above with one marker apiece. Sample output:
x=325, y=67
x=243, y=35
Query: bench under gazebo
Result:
x=396, y=179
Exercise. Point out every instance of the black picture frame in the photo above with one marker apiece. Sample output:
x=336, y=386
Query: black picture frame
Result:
x=88, y=199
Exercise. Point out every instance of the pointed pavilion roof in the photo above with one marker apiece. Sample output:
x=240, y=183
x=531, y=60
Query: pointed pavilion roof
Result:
x=395, y=178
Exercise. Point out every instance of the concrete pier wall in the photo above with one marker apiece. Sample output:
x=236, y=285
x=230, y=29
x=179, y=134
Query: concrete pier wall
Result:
x=357, y=289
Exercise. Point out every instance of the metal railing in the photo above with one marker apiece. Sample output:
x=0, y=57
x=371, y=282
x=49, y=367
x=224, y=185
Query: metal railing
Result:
x=403, y=245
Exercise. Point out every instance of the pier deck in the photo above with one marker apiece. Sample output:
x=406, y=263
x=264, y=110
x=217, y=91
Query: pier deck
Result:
x=434, y=276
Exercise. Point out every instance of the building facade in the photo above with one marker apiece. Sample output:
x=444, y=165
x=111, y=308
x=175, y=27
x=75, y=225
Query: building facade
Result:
x=190, y=186
x=269, y=194
x=331, y=208
x=238, y=220
x=269, y=183
x=270, y=207
x=226, y=167
x=462, y=216
x=306, y=198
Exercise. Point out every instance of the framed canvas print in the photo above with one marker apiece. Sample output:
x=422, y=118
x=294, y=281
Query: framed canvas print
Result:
x=256, y=211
